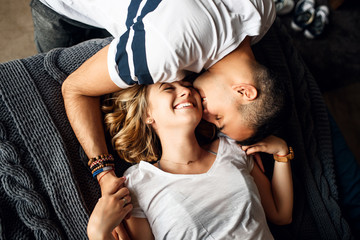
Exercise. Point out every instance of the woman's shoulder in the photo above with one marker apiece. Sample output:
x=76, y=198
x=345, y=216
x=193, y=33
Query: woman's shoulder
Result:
x=213, y=146
x=140, y=172
x=220, y=142
x=131, y=170
x=133, y=177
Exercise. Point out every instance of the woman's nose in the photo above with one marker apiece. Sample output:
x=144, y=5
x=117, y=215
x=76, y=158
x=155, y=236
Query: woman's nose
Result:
x=184, y=91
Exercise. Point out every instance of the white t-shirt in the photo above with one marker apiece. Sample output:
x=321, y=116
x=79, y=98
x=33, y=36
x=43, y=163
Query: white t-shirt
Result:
x=223, y=203
x=162, y=40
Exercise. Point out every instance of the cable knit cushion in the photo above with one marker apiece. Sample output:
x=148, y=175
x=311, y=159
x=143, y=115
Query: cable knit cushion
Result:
x=47, y=191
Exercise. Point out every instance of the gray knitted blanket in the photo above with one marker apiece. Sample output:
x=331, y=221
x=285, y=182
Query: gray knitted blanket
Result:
x=47, y=191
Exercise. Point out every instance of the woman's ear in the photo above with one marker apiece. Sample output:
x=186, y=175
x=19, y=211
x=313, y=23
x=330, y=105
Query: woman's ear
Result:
x=149, y=120
x=246, y=91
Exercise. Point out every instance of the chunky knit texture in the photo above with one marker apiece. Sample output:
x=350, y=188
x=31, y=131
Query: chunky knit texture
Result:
x=47, y=191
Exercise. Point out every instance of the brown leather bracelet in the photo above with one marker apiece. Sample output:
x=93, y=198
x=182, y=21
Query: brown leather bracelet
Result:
x=285, y=158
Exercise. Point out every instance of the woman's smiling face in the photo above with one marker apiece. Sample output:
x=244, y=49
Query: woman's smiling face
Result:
x=174, y=105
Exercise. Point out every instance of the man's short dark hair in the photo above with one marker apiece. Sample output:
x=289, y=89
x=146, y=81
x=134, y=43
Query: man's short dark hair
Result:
x=267, y=112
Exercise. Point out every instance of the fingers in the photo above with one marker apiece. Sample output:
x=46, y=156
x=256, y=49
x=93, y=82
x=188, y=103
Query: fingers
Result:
x=253, y=149
x=115, y=235
x=121, y=193
x=119, y=232
x=126, y=199
x=119, y=202
x=119, y=183
x=126, y=211
x=270, y=145
x=110, y=184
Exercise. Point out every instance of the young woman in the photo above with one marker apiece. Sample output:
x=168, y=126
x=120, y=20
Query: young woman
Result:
x=192, y=191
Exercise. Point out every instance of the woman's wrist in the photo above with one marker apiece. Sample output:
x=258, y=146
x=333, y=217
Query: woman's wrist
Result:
x=283, y=151
x=95, y=233
x=100, y=236
x=284, y=158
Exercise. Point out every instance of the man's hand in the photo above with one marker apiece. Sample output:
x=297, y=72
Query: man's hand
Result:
x=110, y=183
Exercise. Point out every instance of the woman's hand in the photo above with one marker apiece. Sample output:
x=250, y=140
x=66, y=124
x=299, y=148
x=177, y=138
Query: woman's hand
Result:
x=277, y=196
x=270, y=145
x=108, y=213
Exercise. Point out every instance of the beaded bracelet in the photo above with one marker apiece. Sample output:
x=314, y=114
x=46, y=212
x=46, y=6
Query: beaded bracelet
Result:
x=93, y=166
x=102, y=166
x=103, y=162
x=102, y=170
x=100, y=162
x=102, y=157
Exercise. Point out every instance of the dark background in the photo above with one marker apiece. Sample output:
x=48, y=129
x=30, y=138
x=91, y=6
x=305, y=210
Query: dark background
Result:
x=334, y=60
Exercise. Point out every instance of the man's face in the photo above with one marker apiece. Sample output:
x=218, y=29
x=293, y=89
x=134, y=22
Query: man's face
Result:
x=220, y=108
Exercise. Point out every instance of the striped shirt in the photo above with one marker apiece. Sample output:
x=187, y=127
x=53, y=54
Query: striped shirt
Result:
x=164, y=40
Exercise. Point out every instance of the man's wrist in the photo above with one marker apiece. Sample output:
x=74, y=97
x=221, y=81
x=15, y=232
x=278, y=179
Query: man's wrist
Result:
x=104, y=175
x=101, y=164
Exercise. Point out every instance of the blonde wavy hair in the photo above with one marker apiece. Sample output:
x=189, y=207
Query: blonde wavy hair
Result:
x=132, y=138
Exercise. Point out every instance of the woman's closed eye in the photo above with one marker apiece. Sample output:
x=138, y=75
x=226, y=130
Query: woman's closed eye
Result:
x=189, y=85
x=166, y=86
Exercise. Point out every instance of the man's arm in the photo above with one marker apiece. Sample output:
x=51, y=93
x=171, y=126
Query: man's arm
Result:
x=81, y=92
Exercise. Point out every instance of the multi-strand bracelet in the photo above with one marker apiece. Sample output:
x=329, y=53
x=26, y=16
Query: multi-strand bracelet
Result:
x=99, y=164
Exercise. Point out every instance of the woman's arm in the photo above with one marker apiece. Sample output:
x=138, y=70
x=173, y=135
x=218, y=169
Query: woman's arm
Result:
x=108, y=213
x=139, y=228
x=277, y=196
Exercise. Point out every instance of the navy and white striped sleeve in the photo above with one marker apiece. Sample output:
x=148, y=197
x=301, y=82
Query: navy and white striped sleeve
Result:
x=127, y=60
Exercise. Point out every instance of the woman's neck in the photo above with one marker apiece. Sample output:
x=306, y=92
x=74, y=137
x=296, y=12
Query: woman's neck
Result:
x=181, y=148
x=182, y=154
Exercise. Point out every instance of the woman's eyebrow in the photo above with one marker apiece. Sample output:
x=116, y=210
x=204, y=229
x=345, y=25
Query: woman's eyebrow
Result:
x=161, y=85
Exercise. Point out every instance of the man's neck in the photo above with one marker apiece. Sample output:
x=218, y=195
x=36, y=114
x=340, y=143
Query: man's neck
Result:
x=235, y=65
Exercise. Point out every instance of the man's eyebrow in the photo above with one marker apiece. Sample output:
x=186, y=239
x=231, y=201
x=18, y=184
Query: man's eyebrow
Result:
x=161, y=85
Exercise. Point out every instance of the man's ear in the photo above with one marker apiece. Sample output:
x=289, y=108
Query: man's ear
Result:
x=246, y=91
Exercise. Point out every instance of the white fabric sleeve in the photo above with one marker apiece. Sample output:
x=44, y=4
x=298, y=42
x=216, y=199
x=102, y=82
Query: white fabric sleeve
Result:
x=136, y=211
x=112, y=66
x=250, y=162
